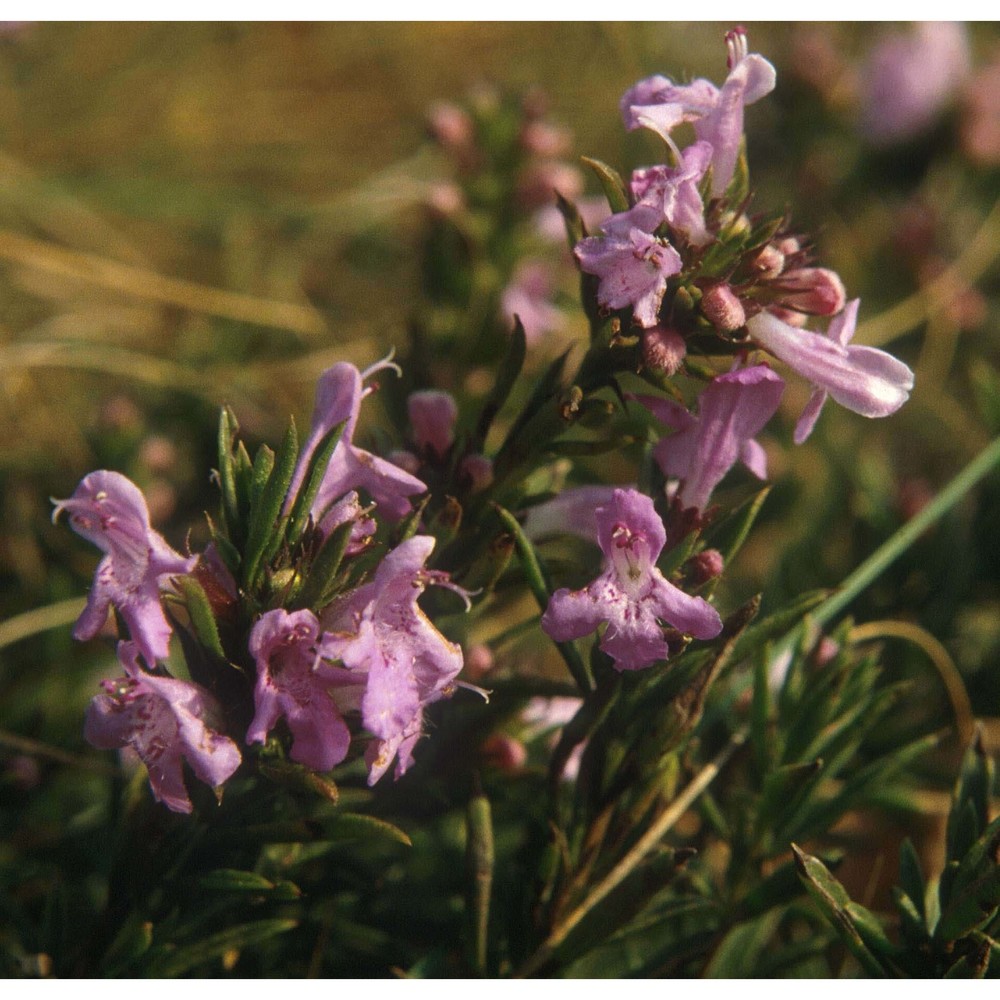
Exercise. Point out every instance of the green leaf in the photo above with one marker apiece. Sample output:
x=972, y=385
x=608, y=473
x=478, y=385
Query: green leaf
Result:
x=739, y=951
x=169, y=962
x=227, y=473
x=835, y=904
x=234, y=880
x=911, y=878
x=267, y=527
x=322, y=571
x=611, y=183
x=731, y=533
x=974, y=895
x=970, y=812
x=131, y=942
x=202, y=617
x=312, y=480
x=357, y=826
x=479, y=860
x=575, y=229
x=507, y=376
x=538, y=584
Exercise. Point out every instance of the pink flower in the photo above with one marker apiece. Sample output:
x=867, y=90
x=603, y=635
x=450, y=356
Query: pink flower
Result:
x=338, y=399
x=864, y=379
x=529, y=298
x=432, y=420
x=631, y=595
x=633, y=268
x=109, y=510
x=732, y=409
x=717, y=112
x=294, y=681
x=165, y=721
x=384, y=638
x=909, y=78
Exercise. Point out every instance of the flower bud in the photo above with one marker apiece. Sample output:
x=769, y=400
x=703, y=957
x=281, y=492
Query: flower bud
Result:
x=405, y=460
x=814, y=290
x=450, y=125
x=663, y=350
x=767, y=263
x=538, y=184
x=478, y=661
x=505, y=753
x=478, y=469
x=706, y=565
x=445, y=200
x=722, y=308
x=543, y=139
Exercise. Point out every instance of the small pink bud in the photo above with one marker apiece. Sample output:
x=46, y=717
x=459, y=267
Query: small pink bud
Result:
x=789, y=246
x=445, y=200
x=705, y=566
x=768, y=262
x=814, y=290
x=663, y=350
x=826, y=649
x=722, y=308
x=537, y=186
x=158, y=453
x=478, y=469
x=432, y=418
x=478, y=661
x=450, y=125
x=505, y=753
x=543, y=139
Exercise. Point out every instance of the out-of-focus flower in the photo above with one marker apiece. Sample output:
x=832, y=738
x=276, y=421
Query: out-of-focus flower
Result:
x=432, y=420
x=717, y=113
x=109, y=510
x=909, y=78
x=864, y=379
x=550, y=225
x=450, y=125
x=545, y=139
x=164, y=720
x=732, y=410
x=633, y=268
x=407, y=664
x=294, y=681
x=505, y=753
x=539, y=183
x=478, y=471
x=338, y=400
x=630, y=595
x=529, y=297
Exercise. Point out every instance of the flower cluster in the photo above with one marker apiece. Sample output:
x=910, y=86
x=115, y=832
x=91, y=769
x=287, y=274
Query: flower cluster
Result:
x=308, y=598
x=369, y=650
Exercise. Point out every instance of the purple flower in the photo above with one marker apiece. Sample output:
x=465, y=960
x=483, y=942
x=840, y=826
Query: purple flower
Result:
x=664, y=194
x=294, y=681
x=864, y=379
x=573, y=512
x=384, y=634
x=717, y=113
x=432, y=420
x=633, y=267
x=631, y=594
x=338, y=398
x=909, y=78
x=110, y=511
x=163, y=720
x=732, y=409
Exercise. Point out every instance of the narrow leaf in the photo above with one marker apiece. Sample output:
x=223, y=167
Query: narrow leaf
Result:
x=168, y=965
x=200, y=611
x=299, y=514
x=507, y=375
x=611, y=183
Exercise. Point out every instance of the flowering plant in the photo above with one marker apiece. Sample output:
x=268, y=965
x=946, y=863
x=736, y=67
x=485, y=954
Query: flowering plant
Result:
x=338, y=668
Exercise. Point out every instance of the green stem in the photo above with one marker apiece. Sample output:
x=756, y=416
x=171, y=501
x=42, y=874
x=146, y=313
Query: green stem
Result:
x=888, y=553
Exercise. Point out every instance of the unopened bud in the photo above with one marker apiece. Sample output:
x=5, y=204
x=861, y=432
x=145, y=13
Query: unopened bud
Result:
x=450, y=125
x=505, y=753
x=663, y=350
x=543, y=139
x=826, y=649
x=478, y=470
x=478, y=661
x=768, y=262
x=814, y=290
x=789, y=246
x=706, y=565
x=445, y=200
x=722, y=308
